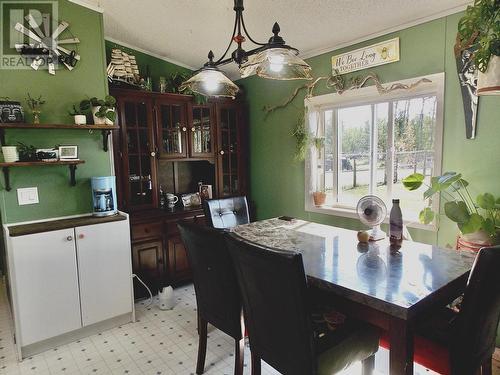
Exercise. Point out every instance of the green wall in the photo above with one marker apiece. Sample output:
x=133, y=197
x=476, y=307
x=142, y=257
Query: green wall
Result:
x=56, y=197
x=157, y=67
x=277, y=181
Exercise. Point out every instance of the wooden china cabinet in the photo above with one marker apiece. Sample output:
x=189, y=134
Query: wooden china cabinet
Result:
x=168, y=142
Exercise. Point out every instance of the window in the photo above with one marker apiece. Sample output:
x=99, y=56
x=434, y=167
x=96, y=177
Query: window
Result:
x=366, y=143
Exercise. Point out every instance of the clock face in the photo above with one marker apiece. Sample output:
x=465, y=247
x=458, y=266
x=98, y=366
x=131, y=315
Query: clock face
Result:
x=48, y=48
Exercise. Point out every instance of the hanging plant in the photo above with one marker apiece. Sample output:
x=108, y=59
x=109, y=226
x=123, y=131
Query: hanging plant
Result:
x=480, y=27
x=302, y=137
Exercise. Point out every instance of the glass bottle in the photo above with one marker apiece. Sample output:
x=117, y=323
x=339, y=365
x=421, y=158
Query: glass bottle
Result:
x=396, y=224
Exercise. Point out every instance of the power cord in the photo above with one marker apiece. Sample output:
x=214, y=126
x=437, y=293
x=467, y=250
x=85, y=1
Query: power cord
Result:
x=145, y=286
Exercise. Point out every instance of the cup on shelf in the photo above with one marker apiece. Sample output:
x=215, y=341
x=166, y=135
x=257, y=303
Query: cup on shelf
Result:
x=10, y=154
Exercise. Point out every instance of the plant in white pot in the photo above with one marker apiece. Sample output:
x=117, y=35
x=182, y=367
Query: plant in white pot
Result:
x=80, y=112
x=104, y=110
x=478, y=220
x=480, y=29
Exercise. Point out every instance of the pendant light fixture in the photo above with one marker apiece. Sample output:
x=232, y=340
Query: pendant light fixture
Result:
x=273, y=60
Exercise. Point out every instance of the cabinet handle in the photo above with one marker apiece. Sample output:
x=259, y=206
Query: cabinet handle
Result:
x=153, y=154
x=69, y=238
x=221, y=152
x=184, y=129
x=193, y=129
x=81, y=236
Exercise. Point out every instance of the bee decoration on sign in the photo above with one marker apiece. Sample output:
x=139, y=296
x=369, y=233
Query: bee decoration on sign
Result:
x=47, y=49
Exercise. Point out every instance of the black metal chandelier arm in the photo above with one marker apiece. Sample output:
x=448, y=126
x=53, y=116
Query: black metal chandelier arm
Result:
x=248, y=34
x=230, y=42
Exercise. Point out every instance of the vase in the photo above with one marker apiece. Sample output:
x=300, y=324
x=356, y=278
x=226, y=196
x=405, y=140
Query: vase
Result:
x=473, y=241
x=101, y=120
x=80, y=119
x=10, y=154
x=319, y=198
x=36, y=116
x=488, y=83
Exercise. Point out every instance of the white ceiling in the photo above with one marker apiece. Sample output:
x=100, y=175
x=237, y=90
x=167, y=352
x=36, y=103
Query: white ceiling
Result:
x=183, y=31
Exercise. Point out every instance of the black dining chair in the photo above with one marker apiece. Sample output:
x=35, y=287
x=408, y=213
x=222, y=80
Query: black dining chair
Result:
x=469, y=334
x=226, y=212
x=217, y=295
x=276, y=304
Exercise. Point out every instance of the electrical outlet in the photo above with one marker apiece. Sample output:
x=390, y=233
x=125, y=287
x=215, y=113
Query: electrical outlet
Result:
x=27, y=196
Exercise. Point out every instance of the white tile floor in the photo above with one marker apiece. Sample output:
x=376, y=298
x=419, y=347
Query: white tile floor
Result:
x=159, y=343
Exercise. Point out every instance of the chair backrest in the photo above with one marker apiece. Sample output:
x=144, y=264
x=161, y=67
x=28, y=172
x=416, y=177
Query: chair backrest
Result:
x=227, y=212
x=274, y=292
x=217, y=293
x=477, y=322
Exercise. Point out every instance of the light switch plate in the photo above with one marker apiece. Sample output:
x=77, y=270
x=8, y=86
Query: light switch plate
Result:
x=27, y=196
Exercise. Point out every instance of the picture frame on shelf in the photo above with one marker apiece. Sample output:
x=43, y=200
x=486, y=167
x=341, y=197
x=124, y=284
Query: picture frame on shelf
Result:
x=205, y=192
x=68, y=152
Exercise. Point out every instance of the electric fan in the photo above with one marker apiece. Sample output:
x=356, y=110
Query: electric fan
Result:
x=372, y=211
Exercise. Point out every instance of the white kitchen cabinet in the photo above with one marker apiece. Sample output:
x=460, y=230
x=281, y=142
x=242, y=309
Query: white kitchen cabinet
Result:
x=104, y=269
x=68, y=279
x=46, y=284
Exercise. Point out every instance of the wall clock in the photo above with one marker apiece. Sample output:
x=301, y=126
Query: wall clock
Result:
x=48, y=49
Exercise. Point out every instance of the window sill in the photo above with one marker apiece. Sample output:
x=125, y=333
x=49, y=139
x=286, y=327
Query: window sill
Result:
x=351, y=214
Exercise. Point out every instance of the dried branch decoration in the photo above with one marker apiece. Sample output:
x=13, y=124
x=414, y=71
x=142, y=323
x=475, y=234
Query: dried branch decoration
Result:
x=337, y=83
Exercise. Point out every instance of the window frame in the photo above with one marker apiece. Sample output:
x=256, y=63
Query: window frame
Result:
x=316, y=105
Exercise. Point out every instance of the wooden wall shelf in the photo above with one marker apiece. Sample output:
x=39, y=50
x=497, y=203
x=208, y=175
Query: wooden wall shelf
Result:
x=105, y=129
x=70, y=163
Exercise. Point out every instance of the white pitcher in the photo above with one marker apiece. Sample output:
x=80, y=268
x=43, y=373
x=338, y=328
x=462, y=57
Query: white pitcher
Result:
x=166, y=298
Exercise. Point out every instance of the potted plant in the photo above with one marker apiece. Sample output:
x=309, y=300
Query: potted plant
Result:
x=480, y=28
x=478, y=220
x=26, y=152
x=35, y=104
x=80, y=112
x=104, y=110
x=319, y=197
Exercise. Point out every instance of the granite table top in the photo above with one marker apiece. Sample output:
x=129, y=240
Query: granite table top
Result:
x=395, y=281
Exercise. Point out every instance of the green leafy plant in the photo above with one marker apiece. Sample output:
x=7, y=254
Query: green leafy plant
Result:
x=302, y=138
x=471, y=215
x=174, y=82
x=83, y=108
x=481, y=26
x=26, y=152
x=35, y=104
x=107, y=107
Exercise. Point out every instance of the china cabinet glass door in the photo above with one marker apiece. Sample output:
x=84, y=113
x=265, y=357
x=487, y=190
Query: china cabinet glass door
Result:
x=138, y=157
x=201, y=132
x=229, y=151
x=171, y=119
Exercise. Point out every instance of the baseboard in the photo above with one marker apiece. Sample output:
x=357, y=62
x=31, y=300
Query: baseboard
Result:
x=53, y=342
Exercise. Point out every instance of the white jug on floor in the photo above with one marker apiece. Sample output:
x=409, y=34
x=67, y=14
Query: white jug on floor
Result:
x=166, y=298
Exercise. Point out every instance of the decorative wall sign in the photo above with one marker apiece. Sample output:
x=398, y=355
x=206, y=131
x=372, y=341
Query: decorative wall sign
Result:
x=46, y=48
x=467, y=76
x=367, y=57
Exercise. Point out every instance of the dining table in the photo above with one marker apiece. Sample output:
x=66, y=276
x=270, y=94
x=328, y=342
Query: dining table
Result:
x=391, y=287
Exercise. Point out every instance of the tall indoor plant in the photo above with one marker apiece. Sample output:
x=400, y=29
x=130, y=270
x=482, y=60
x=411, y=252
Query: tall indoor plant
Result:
x=477, y=219
x=480, y=28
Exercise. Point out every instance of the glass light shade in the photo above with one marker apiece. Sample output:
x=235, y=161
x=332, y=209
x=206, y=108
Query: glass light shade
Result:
x=210, y=82
x=276, y=63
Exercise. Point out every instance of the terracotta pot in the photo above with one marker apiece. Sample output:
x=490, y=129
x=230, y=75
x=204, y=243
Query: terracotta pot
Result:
x=488, y=83
x=473, y=241
x=319, y=198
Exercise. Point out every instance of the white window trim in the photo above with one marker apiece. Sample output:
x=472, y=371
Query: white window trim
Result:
x=368, y=95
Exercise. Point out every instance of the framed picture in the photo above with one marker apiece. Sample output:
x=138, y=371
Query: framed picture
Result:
x=206, y=192
x=68, y=152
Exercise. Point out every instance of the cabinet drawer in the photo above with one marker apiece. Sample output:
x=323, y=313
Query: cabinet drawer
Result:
x=147, y=230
